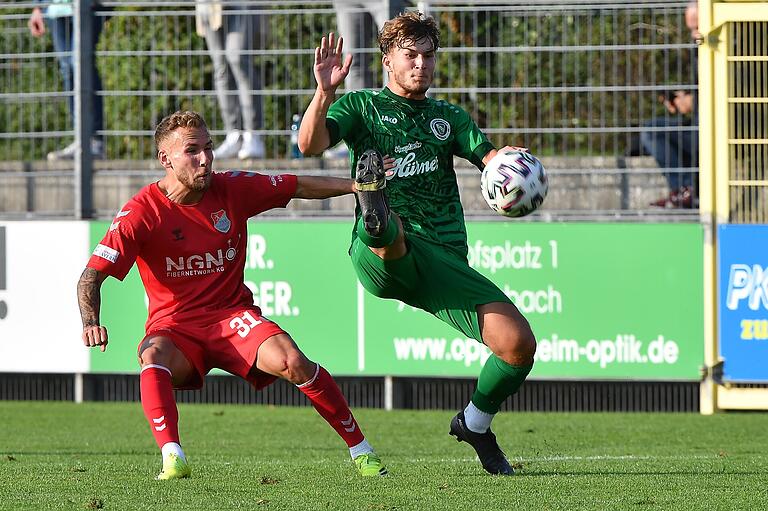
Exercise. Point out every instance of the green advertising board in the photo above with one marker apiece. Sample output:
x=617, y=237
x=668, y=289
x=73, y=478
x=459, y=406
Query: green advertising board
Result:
x=606, y=301
x=301, y=277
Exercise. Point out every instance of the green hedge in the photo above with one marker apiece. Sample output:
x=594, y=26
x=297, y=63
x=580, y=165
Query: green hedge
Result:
x=553, y=111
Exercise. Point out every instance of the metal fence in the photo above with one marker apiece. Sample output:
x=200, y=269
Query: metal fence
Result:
x=576, y=81
x=372, y=392
x=748, y=121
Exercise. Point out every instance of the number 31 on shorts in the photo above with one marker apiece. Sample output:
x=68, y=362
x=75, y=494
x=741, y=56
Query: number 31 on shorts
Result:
x=244, y=323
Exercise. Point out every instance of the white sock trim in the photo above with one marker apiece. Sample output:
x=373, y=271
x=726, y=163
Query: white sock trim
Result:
x=157, y=366
x=362, y=448
x=311, y=380
x=476, y=419
x=172, y=448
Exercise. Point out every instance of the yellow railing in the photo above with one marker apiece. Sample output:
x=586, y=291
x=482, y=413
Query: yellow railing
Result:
x=733, y=127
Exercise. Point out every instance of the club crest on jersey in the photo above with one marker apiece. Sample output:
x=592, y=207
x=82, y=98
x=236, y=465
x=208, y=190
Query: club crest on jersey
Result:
x=220, y=221
x=441, y=129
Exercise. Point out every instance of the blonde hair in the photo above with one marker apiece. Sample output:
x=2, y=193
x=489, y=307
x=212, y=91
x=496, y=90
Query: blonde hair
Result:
x=408, y=26
x=179, y=119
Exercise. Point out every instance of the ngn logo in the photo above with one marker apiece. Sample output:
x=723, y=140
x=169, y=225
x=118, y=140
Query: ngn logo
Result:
x=198, y=262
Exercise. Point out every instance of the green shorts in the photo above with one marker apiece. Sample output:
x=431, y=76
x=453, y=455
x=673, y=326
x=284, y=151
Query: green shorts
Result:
x=431, y=278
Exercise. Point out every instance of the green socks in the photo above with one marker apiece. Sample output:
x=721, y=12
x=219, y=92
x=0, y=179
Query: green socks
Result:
x=379, y=241
x=498, y=380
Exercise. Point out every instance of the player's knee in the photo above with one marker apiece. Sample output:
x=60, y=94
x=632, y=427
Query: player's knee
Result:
x=155, y=351
x=297, y=369
x=515, y=347
x=153, y=356
x=526, y=344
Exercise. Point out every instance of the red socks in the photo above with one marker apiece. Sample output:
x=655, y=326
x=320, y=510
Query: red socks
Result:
x=329, y=402
x=159, y=404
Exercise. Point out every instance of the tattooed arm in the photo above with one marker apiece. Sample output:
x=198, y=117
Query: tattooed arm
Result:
x=89, y=300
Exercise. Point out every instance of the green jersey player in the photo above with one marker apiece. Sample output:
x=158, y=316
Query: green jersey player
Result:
x=409, y=241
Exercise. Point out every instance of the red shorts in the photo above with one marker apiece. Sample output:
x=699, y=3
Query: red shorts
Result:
x=227, y=340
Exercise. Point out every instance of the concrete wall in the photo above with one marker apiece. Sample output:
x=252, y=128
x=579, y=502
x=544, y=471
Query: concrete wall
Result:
x=580, y=187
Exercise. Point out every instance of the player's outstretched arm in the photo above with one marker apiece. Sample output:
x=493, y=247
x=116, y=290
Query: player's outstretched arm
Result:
x=330, y=72
x=89, y=300
x=319, y=187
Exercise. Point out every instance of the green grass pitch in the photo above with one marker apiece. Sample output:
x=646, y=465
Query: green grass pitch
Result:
x=57, y=455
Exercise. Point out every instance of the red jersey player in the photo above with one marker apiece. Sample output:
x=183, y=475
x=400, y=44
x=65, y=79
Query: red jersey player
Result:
x=187, y=235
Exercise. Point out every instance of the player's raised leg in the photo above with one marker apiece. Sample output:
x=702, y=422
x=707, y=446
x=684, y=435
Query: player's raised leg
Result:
x=370, y=180
x=162, y=366
x=281, y=357
x=507, y=333
x=378, y=227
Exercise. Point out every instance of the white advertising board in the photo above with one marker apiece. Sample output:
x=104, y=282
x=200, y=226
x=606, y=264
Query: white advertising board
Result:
x=40, y=263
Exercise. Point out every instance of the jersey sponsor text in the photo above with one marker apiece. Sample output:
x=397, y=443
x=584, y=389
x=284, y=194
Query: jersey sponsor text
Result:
x=408, y=147
x=408, y=166
x=198, y=264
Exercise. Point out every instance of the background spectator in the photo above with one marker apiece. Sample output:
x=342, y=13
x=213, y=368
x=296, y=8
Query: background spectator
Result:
x=58, y=17
x=677, y=146
x=359, y=29
x=229, y=35
x=359, y=23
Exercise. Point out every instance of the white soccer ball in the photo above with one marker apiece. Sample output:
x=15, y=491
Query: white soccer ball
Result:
x=514, y=183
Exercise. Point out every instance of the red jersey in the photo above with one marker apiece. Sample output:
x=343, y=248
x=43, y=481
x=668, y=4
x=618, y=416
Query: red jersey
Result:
x=190, y=257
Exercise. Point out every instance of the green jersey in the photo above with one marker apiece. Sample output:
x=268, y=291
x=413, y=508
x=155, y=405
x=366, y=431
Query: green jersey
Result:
x=422, y=136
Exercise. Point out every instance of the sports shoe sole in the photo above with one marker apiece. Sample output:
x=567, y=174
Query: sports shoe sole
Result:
x=370, y=180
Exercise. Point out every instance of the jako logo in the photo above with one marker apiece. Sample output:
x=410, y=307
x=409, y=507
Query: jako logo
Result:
x=3, y=263
x=387, y=118
x=750, y=283
x=199, y=262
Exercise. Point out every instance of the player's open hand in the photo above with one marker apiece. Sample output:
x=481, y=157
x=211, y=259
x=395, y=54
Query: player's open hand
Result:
x=329, y=69
x=95, y=335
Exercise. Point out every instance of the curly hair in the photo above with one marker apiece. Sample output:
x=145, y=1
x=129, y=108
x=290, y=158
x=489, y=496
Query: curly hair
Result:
x=408, y=27
x=179, y=119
